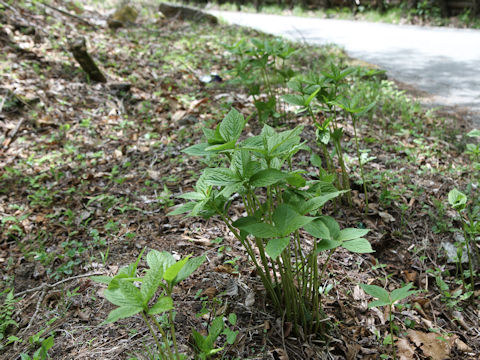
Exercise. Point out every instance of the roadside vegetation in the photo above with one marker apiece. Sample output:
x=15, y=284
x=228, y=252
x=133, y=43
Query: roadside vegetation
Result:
x=225, y=195
x=423, y=13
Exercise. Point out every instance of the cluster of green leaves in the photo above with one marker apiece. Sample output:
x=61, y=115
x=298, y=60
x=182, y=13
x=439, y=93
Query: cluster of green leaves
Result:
x=279, y=202
x=164, y=273
x=205, y=345
x=7, y=310
x=262, y=67
x=469, y=217
x=327, y=93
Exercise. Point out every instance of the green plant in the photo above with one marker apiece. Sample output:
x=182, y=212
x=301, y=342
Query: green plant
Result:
x=389, y=299
x=7, y=310
x=263, y=60
x=278, y=201
x=470, y=219
x=450, y=298
x=473, y=150
x=205, y=345
x=38, y=340
x=164, y=273
x=355, y=110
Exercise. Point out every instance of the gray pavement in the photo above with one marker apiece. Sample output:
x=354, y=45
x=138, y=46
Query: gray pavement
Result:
x=443, y=62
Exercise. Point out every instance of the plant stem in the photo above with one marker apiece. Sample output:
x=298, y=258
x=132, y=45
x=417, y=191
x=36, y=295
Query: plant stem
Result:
x=172, y=332
x=354, y=121
x=164, y=336
x=394, y=352
x=160, y=350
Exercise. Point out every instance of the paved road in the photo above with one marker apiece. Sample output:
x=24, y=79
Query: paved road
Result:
x=443, y=62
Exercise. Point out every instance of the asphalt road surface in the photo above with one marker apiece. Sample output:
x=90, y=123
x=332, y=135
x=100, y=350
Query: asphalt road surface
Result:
x=443, y=62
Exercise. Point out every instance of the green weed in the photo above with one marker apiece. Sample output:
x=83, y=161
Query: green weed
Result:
x=278, y=201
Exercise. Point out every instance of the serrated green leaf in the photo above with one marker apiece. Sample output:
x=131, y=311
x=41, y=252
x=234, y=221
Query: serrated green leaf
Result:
x=199, y=341
x=292, y=99
x=352, y=233
x=326, y=244
x=267, y=177
x=163, y=304
x=260, y=230
x=275, y=246
x=231, y=126
x=474, y=133
x=231, y=335
x=316, y=160
x=117, y=297
x=151, y=282
x=296, y=180
x=287, y=220
x=229, y=145
x=376, y=292
x=198, y=150
x=213, y=136
x=182, y=209
x=332, y=226
x=402, y=293
x=377, y=303
x=193, y=195
x=121, y=313
x=160, y=260
x=457, y=199
x=190, y=266
x=318, y=229
x=172, y=271
x=232, y=319
x=359, y=246
x=228, y=190
x=317, y=202
x=220, y=177
x=216, y=327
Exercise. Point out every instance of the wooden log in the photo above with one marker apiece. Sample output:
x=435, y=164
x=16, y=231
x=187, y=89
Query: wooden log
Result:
x=186, y=13
x=78, y=48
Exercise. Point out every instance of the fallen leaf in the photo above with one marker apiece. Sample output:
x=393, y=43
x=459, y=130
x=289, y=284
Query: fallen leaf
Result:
x=386, y=216
x=461, y=346
x=250, y=299
x=436, y=346
x=404, y=350
x=210, y=292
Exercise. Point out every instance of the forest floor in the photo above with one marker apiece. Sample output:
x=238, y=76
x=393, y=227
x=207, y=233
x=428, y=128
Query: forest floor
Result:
x=89, y=171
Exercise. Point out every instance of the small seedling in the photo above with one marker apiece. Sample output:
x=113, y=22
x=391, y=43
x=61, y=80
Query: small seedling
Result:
x=389, y=299
x=164, y=273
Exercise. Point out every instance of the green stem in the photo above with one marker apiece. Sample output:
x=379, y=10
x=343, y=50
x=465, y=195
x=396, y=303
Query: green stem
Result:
x=394, y=352
x=160, y=350
x=360, y=163
x=172, y=333
x=164, y=336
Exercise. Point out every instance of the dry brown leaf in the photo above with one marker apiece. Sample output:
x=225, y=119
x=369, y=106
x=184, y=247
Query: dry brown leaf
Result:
x=411, y=276
x=250, y=299
x=226, y=268
x=386, y=216
x=404, y=350
x=279, y=354
x=462, y=346
x=210, y=292
x=434, y=345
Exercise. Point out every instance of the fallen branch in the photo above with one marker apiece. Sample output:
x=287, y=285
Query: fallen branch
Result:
x=66, y=13
x=78, y=48
x=50, y=286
